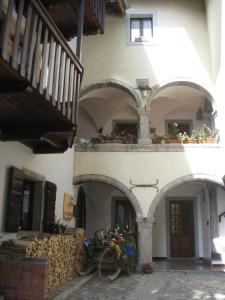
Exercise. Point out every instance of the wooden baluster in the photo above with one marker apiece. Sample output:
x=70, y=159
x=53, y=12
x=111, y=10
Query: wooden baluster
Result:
x=15, y=56
x=75, y=97
x=51, y=69
x=61, y=79
x=37, y=57
x=25, y=42
x=56, y=74
x=66, y=86
x=71, y=84
x=44, y=68
x=31, y=45
x=6, y=30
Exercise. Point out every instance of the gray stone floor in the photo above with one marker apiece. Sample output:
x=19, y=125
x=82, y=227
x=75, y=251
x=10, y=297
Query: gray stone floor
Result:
x=169, y=285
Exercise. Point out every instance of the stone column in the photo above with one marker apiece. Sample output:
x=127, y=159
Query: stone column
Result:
x=144, y=130
x=144, y=242
x=213, y=220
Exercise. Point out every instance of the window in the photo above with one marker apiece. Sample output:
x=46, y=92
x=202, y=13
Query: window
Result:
x=141, y=29
x=26, y=207
x=182, y=125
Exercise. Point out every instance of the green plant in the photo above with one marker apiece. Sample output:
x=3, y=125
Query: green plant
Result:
x=173, y=131
x=194, y=135
x=205, y=132
x=58, y=227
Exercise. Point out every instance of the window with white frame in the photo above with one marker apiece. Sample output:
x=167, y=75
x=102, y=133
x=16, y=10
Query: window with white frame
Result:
x=140, y=28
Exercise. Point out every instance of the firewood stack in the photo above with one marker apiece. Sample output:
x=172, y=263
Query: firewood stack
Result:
x=63, y=251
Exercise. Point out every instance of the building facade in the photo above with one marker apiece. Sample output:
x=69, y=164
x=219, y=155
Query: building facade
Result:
x=157, y=72
x=161, y=64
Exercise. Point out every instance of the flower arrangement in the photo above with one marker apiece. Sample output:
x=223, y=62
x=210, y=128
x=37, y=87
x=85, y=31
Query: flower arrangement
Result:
x=123, y=241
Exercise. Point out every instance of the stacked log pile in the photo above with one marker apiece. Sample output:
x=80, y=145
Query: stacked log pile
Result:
x=64, y=253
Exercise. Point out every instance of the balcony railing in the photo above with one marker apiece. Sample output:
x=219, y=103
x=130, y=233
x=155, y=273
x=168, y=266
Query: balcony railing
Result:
x=34, y=47
x=98, y=7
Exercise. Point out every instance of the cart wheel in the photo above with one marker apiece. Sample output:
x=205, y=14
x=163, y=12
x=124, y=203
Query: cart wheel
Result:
x=107, y=268
x=88, y=265
x=130, y=267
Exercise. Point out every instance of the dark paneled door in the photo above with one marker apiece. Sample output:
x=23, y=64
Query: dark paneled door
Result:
x=125, y=215
x=181, y=228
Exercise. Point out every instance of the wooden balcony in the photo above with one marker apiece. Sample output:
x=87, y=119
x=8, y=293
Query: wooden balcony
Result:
x=40, y=79
x=116, y=7
x=65, y=15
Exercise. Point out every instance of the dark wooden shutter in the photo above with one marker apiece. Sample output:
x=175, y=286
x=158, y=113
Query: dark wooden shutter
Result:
x=50, y=198
x=14, y=200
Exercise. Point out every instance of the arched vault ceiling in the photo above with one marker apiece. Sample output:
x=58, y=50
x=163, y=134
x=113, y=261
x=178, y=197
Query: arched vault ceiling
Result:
x=110, y=94
x=102, y=110
x=180, y=93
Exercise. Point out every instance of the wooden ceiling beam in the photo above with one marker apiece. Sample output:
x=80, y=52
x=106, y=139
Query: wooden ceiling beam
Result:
x=121, y=6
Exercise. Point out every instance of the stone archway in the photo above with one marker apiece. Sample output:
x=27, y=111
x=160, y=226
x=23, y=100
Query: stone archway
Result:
x=112, y=182
x=177, y=182
x=183, y=82
x=115, y=84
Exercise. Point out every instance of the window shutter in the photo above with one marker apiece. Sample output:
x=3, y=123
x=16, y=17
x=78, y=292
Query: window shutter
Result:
x=50, y=198
x=14, y=200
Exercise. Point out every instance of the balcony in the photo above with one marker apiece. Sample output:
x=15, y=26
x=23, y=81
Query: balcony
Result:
x=40, y=79
x=65, y=15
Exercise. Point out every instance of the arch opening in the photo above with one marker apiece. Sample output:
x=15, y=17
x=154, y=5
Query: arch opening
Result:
x=108, y=203
x=112, y=105
x=186, y=220
x=186, y=103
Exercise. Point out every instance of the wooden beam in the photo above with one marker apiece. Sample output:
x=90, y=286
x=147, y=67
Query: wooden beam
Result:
x=80, y=28
x=121, y=6
x=48, y=149
x=51, y=142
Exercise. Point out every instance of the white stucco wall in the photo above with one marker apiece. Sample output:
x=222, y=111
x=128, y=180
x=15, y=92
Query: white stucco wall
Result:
x=57, y=168
x=145, y=167
x=180, y=48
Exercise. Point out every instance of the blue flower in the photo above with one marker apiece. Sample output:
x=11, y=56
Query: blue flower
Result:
x=86, y=242
x=128, y=250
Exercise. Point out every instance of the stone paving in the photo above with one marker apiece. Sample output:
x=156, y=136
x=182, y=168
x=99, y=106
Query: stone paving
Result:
x=169, y=285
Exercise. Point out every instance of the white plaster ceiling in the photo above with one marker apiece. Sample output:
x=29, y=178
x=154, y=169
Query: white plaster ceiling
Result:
x=106, y=103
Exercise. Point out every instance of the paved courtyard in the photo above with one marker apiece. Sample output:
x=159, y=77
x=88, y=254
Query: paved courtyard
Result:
x=171, y=285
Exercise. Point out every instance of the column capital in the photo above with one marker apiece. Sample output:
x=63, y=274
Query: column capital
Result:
x=145, y=222
x=144, y=111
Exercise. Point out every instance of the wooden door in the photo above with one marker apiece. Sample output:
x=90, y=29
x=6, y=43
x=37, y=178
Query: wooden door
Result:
x=81, y=209
x=181, y=228
x=125, y=215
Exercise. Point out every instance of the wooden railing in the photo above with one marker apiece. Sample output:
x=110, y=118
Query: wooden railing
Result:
x=98, y=6
x=33, y=45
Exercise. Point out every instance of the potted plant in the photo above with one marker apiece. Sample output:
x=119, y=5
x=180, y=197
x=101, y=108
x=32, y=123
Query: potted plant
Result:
x=183, y=137
x=204, y=133
x=130, y=139
x=157, y=139
x=173, y=134
x=194, y=136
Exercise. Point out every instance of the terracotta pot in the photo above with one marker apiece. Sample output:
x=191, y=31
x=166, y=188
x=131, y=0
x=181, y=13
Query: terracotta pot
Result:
x=210, y=140
x=156, y=141
x=173, y=142
x=147, y=268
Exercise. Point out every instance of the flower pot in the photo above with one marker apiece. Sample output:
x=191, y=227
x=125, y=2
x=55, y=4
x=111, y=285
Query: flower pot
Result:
x=156, y=141
x=173, y=142
x=147, y=268
x=210, y=140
